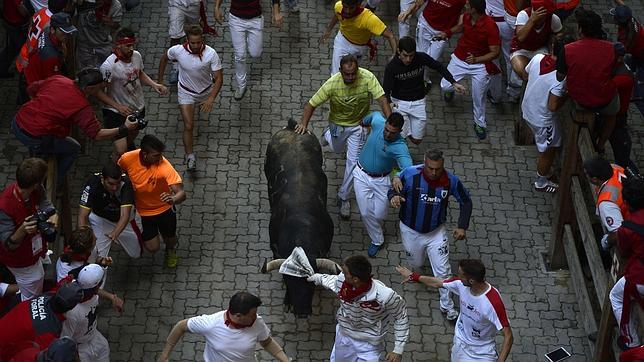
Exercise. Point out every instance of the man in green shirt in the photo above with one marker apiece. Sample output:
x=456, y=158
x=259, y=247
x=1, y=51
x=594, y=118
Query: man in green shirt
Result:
x=349, y=93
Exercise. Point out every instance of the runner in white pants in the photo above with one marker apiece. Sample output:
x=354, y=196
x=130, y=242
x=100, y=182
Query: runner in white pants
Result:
x=107, y=205
x=357, y=25
x=246, y=23
x=496, y=11
x=423, y=201
x=349, y=93
x=384, y=149
x=475, y=52
x=437, y=17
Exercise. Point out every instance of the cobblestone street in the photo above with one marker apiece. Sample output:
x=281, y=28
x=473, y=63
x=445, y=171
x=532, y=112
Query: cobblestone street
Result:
x=223, y=225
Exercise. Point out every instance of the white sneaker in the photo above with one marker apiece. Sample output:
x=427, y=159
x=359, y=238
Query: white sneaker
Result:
x=239, y=93
x=191, y=160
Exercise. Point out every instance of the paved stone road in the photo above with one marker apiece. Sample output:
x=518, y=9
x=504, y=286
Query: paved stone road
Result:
x=224, y=222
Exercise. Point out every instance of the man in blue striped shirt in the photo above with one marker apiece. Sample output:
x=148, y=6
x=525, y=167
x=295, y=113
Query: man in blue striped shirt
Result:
x=383, y=149
x=423, y=201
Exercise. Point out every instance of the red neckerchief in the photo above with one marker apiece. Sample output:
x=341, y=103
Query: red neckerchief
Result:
x=231, y=324
x=547, y=64
x=119, y=53
x=358, y=11
x=102, y=11
x=186, y=46
x=348, y=293
x=443, y=181
x=76, y=256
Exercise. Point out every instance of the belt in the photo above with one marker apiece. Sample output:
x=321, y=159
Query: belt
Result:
x=373, y=174
x=497, y=19
x=191, y=91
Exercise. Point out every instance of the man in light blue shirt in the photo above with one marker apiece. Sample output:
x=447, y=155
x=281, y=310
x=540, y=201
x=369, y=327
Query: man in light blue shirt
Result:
x=383, y=149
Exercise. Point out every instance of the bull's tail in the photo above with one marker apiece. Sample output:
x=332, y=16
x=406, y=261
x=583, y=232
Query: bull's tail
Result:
x=291, y=124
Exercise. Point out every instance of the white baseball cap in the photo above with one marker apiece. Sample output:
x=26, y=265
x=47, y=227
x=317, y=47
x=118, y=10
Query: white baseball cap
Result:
x=91, y=276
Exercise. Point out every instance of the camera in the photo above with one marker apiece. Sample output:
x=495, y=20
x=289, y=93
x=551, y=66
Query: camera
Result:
x=141, y=122
x=41, y=216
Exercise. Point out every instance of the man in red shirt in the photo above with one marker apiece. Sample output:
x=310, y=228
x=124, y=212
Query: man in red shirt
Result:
x=37, y=321
x=15, y=21
x=473, y=57
x=631, y=33
x=630, y=242
x=438, y=16
x=588, y=65
x=48, y=58
x=44, y=123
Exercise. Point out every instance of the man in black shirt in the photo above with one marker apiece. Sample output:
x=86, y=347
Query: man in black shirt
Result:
x=404, y=86
x=106, y=204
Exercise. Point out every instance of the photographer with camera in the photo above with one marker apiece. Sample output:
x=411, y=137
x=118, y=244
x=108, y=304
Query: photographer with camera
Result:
x=27, y=222
x=57, y=103
x=123, y=72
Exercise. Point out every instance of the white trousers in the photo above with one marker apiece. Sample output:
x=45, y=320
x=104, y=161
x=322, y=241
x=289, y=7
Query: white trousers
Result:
x=480, y=84
x=29, y=279
x=347, y=349
x=514, y=81
x=247, y=38
x=179, y=16
x=425, y=44
x=403, y=27
x=351, y=139
x=97, y=350
x=435, y=245
x=129, y=239
x=371, y=195
x=342, y=47
x=415, y=116
x=461, y=352
x=617, y=302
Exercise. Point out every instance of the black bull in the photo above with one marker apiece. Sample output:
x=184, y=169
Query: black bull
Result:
x=297, y=193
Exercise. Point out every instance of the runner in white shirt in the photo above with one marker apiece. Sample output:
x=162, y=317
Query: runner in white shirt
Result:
x=123, y=71
x=231, y=335
x=482, y=312
x=544, y=94
x=200, y=80
x=367, y=309
x=80, y=322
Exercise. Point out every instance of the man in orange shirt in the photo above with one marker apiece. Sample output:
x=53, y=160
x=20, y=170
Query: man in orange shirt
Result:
x=157, y=188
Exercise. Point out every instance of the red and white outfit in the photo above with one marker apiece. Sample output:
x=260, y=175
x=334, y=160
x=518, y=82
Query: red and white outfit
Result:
x=496, y=10
x=480, y=318
x=195, y=72
x=438, y=16
x=364, y=321
x=227, y=344
x=542, y=80
x=537, y=40
x=124, y=84
x=476, y=40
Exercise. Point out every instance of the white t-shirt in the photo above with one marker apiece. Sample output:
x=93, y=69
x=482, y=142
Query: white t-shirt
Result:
x=535, y=101
x=481, y=316
x=494, y=8
x=63, y=269
x=555, y=23
x=124, y=82
x=225, y=344
x=195, y=72
x=80, y=322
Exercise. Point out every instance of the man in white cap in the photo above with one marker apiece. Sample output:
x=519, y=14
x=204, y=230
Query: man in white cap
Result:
x=81, y=321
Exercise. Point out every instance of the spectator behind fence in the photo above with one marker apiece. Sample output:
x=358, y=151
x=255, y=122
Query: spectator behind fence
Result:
x=44, y=123
x=630, y=242
x=588, y=65
x=23, y=241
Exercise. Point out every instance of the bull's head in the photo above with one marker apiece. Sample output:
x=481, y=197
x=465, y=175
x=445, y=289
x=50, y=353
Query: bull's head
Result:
x=299, y=292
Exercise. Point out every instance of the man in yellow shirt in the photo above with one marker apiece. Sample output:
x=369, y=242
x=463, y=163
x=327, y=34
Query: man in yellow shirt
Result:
x=349, y=93
x=357, y=25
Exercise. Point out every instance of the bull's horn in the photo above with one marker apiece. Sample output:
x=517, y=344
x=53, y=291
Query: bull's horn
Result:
x=328, y=265
x=272, y=265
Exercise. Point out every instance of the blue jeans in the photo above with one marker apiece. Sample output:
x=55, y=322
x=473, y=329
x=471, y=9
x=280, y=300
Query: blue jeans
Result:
x=66, y=149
